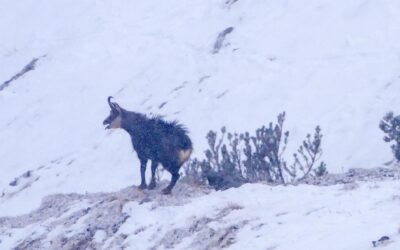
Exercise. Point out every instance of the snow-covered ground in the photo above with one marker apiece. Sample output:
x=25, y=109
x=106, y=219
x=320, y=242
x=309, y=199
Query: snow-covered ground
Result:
x=254, y=216
x=325, y=62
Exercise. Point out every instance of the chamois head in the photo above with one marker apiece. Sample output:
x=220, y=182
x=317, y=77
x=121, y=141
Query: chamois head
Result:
x=114, y=119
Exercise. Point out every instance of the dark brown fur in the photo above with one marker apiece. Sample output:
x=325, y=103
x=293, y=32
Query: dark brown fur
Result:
x=153, y=139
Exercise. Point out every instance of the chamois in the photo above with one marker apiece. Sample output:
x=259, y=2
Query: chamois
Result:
x=153, y=139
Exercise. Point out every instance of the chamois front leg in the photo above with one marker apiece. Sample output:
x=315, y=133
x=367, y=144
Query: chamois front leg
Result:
x=143, y=163
x=154, y=165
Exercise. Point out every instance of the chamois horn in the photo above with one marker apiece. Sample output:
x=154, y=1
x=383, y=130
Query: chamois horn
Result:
x=112, y=105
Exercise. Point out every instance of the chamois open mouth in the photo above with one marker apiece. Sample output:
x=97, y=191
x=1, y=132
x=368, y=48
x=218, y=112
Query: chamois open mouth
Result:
x=106, y=125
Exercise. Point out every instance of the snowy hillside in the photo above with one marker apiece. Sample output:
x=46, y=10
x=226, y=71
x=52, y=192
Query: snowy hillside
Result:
x=283, y=218
x=207, y=63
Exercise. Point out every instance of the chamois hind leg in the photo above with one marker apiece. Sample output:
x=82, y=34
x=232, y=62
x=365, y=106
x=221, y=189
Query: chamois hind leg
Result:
x=154, y=165
x=143, y=163
x=174, y=179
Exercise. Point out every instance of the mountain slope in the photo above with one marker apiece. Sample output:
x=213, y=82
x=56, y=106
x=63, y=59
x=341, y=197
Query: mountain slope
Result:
x=254, y=216
x=328, y=63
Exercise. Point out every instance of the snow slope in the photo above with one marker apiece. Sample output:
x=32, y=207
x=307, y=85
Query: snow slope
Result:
x=252, y=217
x=330, y=63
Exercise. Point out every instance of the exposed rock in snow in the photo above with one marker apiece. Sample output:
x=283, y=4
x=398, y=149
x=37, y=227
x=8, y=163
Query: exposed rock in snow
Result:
x=29, y=67
x=220, y=42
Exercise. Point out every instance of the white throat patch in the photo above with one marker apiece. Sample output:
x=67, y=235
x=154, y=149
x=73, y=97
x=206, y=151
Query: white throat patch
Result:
x=116, y=123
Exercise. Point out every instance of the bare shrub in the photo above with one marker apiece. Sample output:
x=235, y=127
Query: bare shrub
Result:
x=237, y=158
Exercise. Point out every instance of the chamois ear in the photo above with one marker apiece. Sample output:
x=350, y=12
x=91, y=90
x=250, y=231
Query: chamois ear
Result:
x=117, y=108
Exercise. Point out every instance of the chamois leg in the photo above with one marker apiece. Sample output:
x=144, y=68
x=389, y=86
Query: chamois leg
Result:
x=174, y=179
x=154, y=165
x=143, y=164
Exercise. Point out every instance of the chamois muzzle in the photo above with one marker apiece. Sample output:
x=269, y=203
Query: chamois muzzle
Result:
x=107, y=123
x=114, y=118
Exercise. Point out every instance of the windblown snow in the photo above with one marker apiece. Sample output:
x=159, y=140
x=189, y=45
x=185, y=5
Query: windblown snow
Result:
x=66, y=183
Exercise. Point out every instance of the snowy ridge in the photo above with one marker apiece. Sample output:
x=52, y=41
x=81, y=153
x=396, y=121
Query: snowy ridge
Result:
x=207, y=64
x=251, y=217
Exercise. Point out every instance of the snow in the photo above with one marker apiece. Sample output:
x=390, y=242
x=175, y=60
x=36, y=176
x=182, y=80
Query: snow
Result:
x=254, y=216
x=330, y=63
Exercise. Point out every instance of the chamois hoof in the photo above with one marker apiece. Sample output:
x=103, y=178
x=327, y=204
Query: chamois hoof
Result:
x=166, y=191
x=152, y=185
x=142, y=186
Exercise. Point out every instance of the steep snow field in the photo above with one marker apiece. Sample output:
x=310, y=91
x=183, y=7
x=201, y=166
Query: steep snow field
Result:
x=325, y=62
